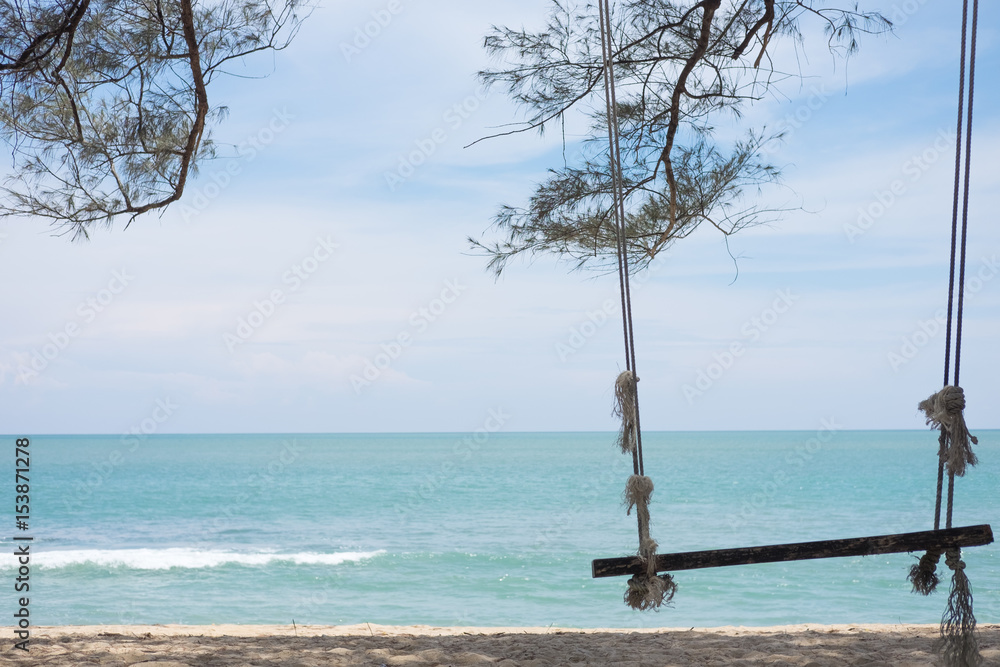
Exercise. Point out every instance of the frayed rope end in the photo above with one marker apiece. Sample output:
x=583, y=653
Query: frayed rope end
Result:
x=959, y=641
x=645, y=592
x=923, y=575
x=625, y=409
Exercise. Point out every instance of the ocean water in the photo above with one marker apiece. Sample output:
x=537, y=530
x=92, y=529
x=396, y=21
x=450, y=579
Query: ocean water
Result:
x=480, y=529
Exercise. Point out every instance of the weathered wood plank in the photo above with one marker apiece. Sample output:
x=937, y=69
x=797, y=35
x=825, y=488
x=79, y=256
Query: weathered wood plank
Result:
x=968, y=536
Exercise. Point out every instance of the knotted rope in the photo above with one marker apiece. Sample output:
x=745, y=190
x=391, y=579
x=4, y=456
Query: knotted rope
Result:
x=944, y=410
x=626, y=409
x=647, y=590
x=923, y=575
x=958, y=645
x=959, y=642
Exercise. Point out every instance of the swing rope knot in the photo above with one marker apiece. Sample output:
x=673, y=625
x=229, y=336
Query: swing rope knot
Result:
x=923, y=575
x=944, y=410
x=959, y=641
x=638, y=491
x=626, y=410
x=647, y=590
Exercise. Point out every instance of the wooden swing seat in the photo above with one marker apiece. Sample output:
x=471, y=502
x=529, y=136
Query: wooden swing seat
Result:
x=968, y=536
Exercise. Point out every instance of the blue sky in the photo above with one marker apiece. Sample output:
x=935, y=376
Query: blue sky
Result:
x=296, y=289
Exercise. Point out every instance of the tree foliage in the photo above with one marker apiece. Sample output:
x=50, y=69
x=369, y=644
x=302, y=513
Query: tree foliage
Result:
x=679, y=65
x=105, y=104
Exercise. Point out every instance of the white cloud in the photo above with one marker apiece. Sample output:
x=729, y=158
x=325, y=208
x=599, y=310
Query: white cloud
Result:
x=497, y=344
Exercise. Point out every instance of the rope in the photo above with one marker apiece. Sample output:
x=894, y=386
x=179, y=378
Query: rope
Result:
x=646, y=590
x=618, y=207
x=625, y=409
x=944, y=410
x=942, y=449
x=959, y=641
x=923, y=575
x=965, y=195
x=954, y=205
x=961, y=188
x=954, y=238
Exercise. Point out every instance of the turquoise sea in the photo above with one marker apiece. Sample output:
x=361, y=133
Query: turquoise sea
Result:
x=479, y=529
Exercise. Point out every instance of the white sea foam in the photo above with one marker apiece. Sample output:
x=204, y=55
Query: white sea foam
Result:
x=179, y=557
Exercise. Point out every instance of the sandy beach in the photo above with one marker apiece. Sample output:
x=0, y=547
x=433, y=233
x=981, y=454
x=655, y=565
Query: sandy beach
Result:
x=418, y=646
